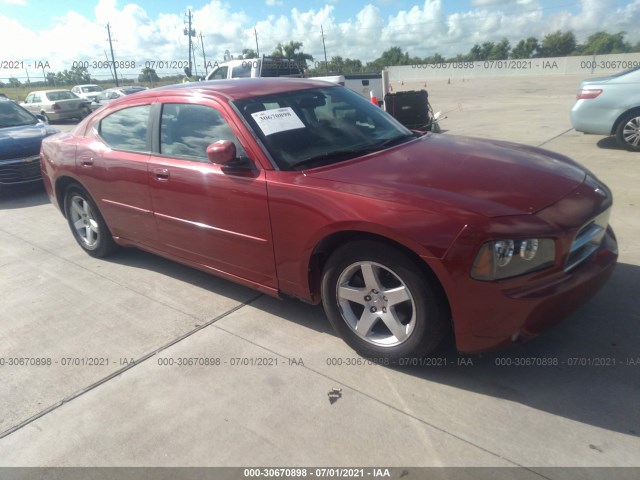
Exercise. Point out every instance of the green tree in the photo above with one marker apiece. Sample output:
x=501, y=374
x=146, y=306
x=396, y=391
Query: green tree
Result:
x=558, y=44
x=500, y=51
x=481, y=52
x=77, y=75
x=51, y=78
x=392, y=57
x=603, y=43
x=290, y=50
x=148, y=75
x=528, y=48
x=14, y=82
x=249, y=53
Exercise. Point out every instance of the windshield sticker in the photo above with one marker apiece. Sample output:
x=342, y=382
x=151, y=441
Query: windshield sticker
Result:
x=277, y=120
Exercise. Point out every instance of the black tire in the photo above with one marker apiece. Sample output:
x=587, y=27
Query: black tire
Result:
x=628, y=132
x=421, y=320
x=46, y=117
x=86, y=223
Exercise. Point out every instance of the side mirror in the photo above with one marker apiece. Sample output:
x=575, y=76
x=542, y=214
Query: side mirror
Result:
x=221, y=152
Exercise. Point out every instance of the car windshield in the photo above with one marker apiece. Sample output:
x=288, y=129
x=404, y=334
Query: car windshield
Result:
x=92, y=88
x=12, y=115
x=320, y=126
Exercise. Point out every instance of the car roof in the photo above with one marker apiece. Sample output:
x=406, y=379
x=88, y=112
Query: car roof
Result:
x=48, y=91
x=239, y=88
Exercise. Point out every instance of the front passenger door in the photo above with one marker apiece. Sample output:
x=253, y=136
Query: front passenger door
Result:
x=205, y=213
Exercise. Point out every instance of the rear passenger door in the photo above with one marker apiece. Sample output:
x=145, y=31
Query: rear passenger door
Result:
x=112, y=160
x=205, y=212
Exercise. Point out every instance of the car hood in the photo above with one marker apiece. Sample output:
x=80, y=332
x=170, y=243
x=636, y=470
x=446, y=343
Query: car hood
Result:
x=23, y=141
x=491, y=178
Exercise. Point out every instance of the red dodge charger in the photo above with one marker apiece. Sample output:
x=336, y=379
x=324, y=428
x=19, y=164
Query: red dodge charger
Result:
x=302, y=188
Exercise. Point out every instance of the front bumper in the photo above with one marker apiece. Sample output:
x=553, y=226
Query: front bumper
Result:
x=487, y=315
x=20, y=171
x=500, y=314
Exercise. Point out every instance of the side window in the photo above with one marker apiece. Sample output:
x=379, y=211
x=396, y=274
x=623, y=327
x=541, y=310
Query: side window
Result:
x=36, y=99
x=220, y=74
x=187, y=130
x=242, y=71
x=29, y=99
x=126, y=129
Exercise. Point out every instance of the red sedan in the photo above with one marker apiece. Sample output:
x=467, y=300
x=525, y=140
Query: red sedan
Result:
x=304, y=189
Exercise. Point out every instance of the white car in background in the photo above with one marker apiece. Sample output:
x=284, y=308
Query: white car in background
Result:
x=56, y=105
x=89, y=91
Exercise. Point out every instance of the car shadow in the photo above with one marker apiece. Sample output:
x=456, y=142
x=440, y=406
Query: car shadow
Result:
x=140, y=259
x=23, y=196
x=587, y=368
x=610, y=143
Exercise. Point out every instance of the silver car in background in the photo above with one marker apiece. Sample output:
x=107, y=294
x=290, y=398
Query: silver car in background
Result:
x=57, y=105
x=610, y=106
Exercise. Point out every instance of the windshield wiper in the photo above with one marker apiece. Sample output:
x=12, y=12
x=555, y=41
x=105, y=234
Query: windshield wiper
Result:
x=352, y=153
x=391, y=142
x=329, y=156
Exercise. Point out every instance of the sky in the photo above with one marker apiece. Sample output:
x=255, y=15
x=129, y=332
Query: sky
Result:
x=54, y=35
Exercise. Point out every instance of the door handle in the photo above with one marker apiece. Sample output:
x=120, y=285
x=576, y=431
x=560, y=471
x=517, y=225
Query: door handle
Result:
x=86, y=161
x=161, y=174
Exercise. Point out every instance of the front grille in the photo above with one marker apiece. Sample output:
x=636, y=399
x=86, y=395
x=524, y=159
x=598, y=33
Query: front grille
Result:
x=20, y=172
x=588, y=240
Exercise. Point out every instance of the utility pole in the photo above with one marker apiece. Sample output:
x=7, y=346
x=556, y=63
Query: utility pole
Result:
x=204, y=55
x=113, y=60
x=190, y=32
x=255, y=32
x=326, y=63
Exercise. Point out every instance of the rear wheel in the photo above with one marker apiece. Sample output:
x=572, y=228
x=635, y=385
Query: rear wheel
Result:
x=628, y=132
x=86, y=223
x=380, y=303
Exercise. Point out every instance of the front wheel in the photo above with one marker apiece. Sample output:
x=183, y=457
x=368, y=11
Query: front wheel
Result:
x=628, y=132
x=87, y=225
x=381, y=303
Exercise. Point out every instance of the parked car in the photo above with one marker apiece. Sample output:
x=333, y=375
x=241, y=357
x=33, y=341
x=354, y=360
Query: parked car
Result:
x=114, y=93
x=610, y=106
x=89, y=91
x=56, y=105
x=303, y=189
x=263, y=67
x=21, y=134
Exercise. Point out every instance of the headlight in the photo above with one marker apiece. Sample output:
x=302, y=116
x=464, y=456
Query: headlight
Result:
x=509, y=258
